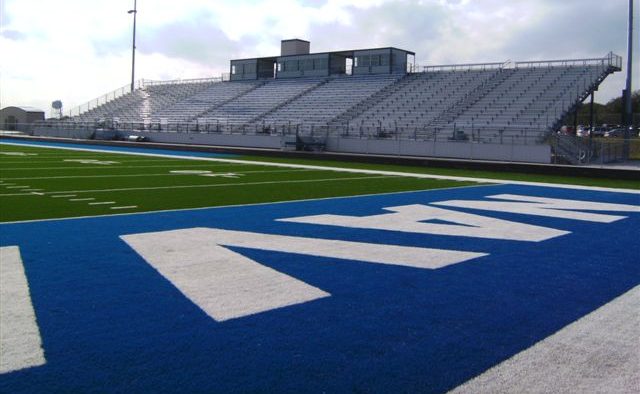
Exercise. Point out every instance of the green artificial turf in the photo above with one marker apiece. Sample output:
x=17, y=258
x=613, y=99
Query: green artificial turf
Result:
x=43, y=183
x=55, y=183
x=514, y=176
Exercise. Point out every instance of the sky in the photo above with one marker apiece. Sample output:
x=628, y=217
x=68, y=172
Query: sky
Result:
x=78, y=50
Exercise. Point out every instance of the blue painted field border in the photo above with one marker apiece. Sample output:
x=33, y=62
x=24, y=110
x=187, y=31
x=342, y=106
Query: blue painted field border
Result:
x=120, y=149
x=110, y=323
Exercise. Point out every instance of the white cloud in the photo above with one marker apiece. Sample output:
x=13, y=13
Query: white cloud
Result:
x=76, y=50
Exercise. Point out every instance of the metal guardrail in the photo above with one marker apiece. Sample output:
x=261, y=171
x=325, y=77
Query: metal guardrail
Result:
x=140, y=84
x=101, y=100
x=512, y=135
x=459, y=67
x=149, y=82
x=610, y=60
x=569, y=149
x=566, y=149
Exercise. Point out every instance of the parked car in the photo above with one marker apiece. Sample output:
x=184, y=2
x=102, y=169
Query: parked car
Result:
x=614, y=133
x=582, y=131
x=599, y=131
x=136, y=138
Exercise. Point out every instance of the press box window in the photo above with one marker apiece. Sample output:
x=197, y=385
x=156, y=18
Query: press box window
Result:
x=291, y=65
x=307, y=65
x=320, y=64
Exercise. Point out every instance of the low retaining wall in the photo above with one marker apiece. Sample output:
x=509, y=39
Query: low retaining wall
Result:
x=235, y=140
x=63, y=133
x=438, y=149
x=445, y=149
x=461, y=164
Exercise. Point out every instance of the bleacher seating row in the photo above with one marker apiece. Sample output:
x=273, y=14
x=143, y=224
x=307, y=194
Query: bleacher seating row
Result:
x=491, y=102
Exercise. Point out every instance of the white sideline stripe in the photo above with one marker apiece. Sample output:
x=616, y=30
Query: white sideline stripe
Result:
x=88, y=167
x=62, y=195
x=81, y=199
x=102, y=203
x=20, y=341
x=351, y=170
x=226, y=284
x=215, y=185
x=149, y=175
x=55, y=158
x=599, y=353
x=127, y=207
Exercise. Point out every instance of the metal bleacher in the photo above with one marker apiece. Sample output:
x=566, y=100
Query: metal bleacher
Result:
x=485, y=102
x=140, y=104
x=204, y=101
x=327, y=101
x=249, y=107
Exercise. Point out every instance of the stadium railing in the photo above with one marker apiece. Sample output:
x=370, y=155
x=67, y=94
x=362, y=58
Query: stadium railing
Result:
x=139, y=84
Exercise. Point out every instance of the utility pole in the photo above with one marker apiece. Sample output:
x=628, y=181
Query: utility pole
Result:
x=628, y=111
x=134, y=11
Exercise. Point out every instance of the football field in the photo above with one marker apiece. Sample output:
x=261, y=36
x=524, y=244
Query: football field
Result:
x=132, y=270
x=38, y=183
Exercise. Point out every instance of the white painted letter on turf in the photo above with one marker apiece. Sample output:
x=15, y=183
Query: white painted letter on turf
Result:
x=20, y=342
x=228, y=285
x=414, y=219
x=550, y=207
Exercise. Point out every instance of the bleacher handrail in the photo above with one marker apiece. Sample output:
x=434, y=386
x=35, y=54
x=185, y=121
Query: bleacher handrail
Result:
x=139, y=84
x=149, y=82
x=105, y=98
x=462, y=67
x=610, y=60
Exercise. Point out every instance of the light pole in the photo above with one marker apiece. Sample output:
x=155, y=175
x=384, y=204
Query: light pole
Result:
x=134, y=11
x=628, y=111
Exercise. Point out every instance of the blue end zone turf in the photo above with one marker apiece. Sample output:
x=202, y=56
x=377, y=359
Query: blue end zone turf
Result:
x=111, y=323
x=118, y=149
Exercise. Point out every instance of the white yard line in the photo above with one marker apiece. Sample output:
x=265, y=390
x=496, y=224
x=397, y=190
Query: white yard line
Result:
x=102, y=203
x=208, y=185
x=148, y=175
x=125, y=207
x=353, y=170
x=62, y=195
x=35, y=160
x=82, y=199
x=240, y=205
x=89, y=167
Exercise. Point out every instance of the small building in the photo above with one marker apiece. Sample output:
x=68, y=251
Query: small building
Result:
x=296, y=60
x=19, y=118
